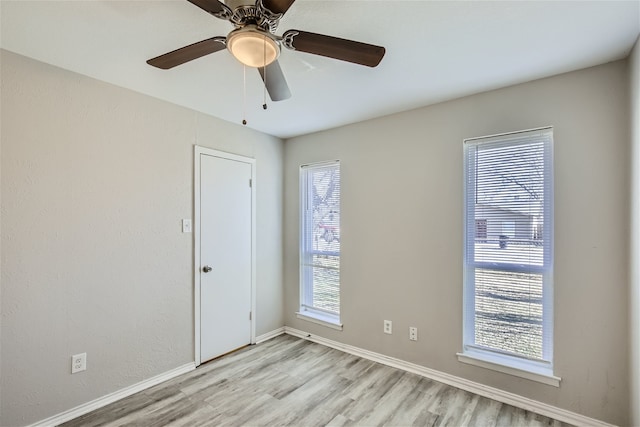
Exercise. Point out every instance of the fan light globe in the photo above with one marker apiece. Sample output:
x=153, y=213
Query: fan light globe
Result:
x=252, y=47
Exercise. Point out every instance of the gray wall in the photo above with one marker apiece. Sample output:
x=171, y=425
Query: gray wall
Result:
x=95, y=182
x=634, y=289
x=402, y=232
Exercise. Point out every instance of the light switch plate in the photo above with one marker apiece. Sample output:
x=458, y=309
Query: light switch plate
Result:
x=186, y=226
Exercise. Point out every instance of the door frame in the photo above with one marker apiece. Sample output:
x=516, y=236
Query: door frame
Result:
x=198, y=152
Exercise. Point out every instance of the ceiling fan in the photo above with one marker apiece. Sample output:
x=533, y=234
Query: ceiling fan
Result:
x=254, y=43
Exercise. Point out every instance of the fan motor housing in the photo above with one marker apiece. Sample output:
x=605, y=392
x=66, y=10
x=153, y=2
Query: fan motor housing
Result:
x=256, y=14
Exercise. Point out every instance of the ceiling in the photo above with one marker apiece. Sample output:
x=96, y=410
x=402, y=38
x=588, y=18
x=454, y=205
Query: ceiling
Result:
x=436, y=50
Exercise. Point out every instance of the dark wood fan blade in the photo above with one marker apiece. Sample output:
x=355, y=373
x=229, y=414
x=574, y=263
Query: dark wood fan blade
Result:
x=275, y=82
x=214, y=7
x=188, y=53
x=277, y=6
x=334, y=47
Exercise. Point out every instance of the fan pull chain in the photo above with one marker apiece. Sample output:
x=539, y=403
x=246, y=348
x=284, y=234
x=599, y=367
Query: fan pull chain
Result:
x=264, y=71
x=244, y=94
x=264, y=100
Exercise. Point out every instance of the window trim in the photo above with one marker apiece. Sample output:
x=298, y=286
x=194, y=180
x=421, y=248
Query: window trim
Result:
x=319, y=318
x=536, y=370
x=510, y=365
x=307, y=312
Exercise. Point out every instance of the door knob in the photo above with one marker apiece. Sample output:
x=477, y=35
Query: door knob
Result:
x=206, y=269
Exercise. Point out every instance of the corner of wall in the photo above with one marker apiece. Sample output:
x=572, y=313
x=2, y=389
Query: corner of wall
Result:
x=634, y=261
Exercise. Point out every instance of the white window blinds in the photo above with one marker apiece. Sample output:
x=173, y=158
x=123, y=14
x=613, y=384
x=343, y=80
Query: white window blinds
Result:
x=320, y=240
x=508, y=253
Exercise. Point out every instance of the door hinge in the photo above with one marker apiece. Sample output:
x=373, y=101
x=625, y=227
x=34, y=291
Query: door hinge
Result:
x=250, y=182
x=250, y=315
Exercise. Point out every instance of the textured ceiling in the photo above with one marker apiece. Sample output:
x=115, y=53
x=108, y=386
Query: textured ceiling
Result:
x=436, y=50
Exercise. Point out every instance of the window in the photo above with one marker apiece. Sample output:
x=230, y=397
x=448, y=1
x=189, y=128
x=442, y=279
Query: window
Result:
x=508, y=259
x=481, y=228
x=320, y=244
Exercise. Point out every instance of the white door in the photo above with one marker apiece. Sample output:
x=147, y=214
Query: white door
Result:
x=225, y=270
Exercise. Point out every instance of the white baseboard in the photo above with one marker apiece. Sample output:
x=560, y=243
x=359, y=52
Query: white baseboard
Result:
x=112, y=397
x=454, y=381
x=269, y=335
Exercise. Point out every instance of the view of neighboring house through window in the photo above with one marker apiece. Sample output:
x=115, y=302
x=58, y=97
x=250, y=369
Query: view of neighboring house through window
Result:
x=320, y=242
x=508, y=312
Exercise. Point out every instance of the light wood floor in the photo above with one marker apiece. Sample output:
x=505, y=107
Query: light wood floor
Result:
x=288, y=381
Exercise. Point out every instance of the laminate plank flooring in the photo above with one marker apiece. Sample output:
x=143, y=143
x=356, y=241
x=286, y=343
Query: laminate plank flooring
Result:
x=288, y=381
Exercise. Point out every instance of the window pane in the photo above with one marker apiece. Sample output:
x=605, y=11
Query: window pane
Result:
x=510, y=203
x=326, y=210
x=508, y=313
x=326, y=283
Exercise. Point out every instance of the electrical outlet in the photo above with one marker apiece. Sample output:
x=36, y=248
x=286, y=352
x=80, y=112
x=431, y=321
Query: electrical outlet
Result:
x=413, y=333
x=78, y=363
x=388, y=326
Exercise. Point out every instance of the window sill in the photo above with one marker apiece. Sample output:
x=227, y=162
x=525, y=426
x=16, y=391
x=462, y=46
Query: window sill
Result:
x=508, y=366
x=320, y=319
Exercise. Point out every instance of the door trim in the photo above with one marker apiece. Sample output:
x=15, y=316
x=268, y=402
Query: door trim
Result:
x=198, y=152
